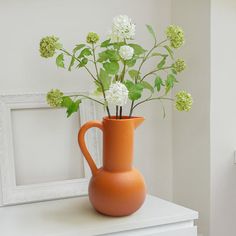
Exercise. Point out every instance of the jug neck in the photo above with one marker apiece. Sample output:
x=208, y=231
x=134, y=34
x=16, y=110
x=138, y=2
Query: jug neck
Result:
x=118, y=141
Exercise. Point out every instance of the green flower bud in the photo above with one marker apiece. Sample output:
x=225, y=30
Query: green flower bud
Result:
x=48, y=46
x=184, y=101
x=55, y=98
x=92, y=37
x=176, y=36
x=179, y=65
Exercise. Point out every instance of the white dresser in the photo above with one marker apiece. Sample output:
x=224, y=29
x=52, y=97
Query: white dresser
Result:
x=76, y=217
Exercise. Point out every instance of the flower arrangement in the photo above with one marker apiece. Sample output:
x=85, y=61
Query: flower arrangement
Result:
x=117, y=68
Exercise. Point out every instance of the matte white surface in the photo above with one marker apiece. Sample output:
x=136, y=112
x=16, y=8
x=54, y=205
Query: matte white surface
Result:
x=70, y=217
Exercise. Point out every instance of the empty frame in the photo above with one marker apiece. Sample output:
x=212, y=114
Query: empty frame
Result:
x=39, y=155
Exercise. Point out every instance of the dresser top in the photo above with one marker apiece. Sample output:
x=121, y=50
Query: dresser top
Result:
x=75, y=216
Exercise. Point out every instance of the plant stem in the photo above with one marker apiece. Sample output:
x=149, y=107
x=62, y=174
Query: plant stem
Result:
x=120, y=112
x=163, y=109
x=139, y=69
x=131, y=109
x=94, y=60
x=63, y=50
x=97, y=80
x=148, y=54
x=81, y=95
x=122, y=76
x=154, y=71
x=151, y=99
x=117, y=111
x=103, y=90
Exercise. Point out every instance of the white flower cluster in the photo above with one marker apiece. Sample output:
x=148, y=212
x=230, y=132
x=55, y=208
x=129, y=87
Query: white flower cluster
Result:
x=126, y=52
x=122, y=29
x=117, y=94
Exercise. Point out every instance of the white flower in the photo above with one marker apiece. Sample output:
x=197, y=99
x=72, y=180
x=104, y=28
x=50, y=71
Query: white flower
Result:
x=122, y=28
x=117, y=94
x=126, y=52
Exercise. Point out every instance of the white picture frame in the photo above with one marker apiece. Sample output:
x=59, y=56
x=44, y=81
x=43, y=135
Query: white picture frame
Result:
x=15, y=194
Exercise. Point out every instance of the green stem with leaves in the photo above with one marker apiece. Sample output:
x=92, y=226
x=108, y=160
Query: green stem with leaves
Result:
x=151, y=99
x=102, y=87
x=154, y=71
x=121, y=80
x=94, y=78
x=69, y=54
x=146, y=57
x=87, y=97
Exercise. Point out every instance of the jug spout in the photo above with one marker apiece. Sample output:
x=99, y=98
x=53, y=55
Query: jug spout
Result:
x=138, y=121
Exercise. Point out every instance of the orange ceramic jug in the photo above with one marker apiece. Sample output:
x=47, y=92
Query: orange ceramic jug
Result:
x=116, y=189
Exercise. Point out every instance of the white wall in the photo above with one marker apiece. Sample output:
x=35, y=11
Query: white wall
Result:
x=191, y=131
x=204, y=173
x=23, y=23
x=223, y=117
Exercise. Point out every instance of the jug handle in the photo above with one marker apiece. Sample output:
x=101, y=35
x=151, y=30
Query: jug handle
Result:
x=83, y=146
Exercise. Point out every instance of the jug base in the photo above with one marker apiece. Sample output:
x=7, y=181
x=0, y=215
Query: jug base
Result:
x=117, y=193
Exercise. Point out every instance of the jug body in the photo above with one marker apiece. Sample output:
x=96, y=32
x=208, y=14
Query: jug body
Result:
x=116, y=189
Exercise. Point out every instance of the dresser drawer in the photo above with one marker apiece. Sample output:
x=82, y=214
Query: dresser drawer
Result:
x=152, y=231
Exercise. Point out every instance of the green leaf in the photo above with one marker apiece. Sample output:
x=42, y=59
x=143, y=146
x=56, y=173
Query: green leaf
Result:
x=105, y=79
x=138, y=50
x=99, y=87
x=109, y=54
x=174, y=71
x=134, y=74
x=169, y=50
x=131, y=62
x=102, y=56
x=156, y=54
x=169, y=83
x=66, y=102
x=105, y=43
x=78, y=47
x=158, y=83
x=161, y=63
x=118, y=45
x=148, y=86
x=60, y=60
x=83, y=62
x=73, y=108
x=151, y=31
x=85, y=52
x=72, y=62
x=111, y=67
x=128, y=84
x=112, y=55
x=135, y=90
x=70, y=105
